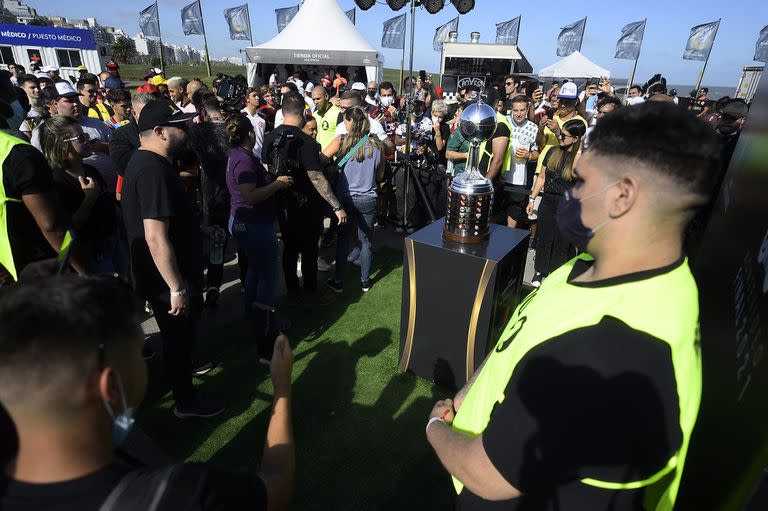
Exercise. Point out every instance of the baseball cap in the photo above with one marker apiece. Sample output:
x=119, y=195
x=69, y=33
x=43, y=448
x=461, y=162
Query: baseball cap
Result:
x=81, y=68
x=359, y=86
x=158, y=80
x=113, y=82
x=568, y=91
x=58, y=91
x=48, y=69
x=147, y=87
x=41, y=74
x=735, y=108
x=163, y=112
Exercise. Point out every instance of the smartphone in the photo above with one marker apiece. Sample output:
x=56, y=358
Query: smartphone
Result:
x=65, y=252
x=423, y=75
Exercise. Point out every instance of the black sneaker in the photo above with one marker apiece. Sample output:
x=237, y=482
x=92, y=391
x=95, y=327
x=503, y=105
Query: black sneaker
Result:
x=366, y=285
x=536, y=280
x=202, y=407
x=335, y=285
x=202, y=369
x=212, y=297
x=147, y=353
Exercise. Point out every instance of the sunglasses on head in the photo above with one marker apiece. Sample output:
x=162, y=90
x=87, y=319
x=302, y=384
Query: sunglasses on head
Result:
x=82, y=138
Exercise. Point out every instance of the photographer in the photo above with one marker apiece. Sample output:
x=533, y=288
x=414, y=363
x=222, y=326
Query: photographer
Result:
x=422, y=137
x=289, y=151
x=88, y=350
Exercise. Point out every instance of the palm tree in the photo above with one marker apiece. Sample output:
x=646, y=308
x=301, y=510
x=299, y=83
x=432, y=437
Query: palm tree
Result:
x=123, y=50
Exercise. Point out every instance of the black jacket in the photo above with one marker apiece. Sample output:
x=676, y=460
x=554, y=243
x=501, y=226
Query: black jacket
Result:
x=124, y=142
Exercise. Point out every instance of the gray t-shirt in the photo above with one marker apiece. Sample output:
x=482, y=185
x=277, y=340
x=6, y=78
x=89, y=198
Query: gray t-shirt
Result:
x=358, y=178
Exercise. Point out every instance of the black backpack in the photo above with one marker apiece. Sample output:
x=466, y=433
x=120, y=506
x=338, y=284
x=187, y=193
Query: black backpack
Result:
x=175, y=487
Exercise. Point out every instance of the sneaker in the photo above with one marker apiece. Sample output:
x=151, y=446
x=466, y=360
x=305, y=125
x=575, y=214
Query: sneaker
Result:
x=298, y=270
x=202, y=407
x=536, y=280
x=335, y=285
x=353, y=255
x=322, y=265
x=366, y=285
x=212, y=297
x=202, y=369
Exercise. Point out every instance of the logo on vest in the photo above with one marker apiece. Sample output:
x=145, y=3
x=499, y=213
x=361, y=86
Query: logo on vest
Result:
x=517, y=326
x=325, y=125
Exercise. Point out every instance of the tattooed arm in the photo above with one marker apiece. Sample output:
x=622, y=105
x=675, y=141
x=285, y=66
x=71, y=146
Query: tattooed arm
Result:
x=324, y=189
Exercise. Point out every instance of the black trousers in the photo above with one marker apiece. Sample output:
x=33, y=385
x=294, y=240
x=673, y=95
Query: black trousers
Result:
x=405, y=201
x=552, y=249
x=215, y=273
x=301, y=229
x=178, y=336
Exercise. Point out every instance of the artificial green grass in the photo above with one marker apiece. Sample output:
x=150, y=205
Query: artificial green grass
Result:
x=358, y=422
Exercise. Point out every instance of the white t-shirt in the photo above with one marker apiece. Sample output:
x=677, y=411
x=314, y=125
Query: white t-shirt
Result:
x=279, y=119
x=636, y=100
x=522, y=136
x=273, y=79
x=189, y=108
x=377, y=130
x=259, y=125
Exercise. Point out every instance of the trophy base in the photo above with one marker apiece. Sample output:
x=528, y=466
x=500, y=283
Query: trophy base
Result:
x=458, y=238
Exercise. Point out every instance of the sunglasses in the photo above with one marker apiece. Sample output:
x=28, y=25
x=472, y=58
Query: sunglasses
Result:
x=563, y=136
x=371, y=90
x=509, y=83
x=82, y=138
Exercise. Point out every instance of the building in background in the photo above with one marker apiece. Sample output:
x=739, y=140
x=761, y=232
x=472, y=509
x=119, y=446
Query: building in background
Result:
x=22, y=12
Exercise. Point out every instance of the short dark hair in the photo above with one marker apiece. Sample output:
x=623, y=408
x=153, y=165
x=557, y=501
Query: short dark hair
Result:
x=238, y=127
x=520, y=98
x=28, y=78
x=118, y=95
x=51, y=329
x=82, y=82
x=293, y=104
x=639, y=88
x=353, y=95
x=667, y=139
x=608, y=100
x=387, y=86
x=290, y=85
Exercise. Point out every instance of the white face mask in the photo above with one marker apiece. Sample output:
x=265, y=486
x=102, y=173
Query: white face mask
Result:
x=387, y=101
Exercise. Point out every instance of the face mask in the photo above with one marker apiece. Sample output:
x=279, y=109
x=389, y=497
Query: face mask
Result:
x=123, y=423
x=18, y=115
x=568, y=218
x=387, y=101
x=371, y=94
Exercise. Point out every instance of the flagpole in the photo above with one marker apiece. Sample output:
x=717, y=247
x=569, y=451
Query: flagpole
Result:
x=634, y=68
x=250, y=30
x=701, y=75
x=581, y=41
x=205, y=38
x=402, y=59
x=160, y=36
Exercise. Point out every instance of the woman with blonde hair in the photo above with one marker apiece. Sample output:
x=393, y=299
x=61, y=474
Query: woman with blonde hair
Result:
x=557, y=173
x=360, y=162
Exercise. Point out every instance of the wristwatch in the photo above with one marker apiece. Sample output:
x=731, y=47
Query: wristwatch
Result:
x=337, y=209
x=181, y=292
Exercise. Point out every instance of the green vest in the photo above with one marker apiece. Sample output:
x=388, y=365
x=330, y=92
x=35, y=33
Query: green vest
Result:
x=507, y=163
x=326, y=125
x=665, y=306
x=7, y=142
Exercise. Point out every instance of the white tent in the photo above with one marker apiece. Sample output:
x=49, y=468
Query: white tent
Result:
x=320, y=34
x=574, y=65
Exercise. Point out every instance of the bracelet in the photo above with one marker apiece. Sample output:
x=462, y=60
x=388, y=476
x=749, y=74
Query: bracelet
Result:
x=531, y=198
x=179, y=293
x=432, y=421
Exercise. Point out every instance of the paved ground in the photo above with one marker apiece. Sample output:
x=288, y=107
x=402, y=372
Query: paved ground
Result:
x=230, y=305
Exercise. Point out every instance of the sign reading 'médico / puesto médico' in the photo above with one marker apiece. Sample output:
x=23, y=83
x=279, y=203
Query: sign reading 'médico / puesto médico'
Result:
x=55, y=37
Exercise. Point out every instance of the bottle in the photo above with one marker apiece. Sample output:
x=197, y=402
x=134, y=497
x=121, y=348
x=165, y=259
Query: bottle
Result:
x=216, y=250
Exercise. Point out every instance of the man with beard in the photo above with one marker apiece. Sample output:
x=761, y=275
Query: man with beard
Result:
x=164, y=238
x=326, y=114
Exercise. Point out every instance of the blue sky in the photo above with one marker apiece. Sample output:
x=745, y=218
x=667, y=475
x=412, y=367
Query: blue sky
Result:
x=667, y=30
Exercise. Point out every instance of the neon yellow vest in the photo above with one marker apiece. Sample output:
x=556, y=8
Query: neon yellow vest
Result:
x=7, y=142
x=507, y=163
x=326, y=125
x=665, y=306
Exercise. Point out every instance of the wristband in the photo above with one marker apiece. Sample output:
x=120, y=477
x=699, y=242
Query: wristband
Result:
x=432, y=421
x=531, y=199
x=179, y=293
x=336, y=210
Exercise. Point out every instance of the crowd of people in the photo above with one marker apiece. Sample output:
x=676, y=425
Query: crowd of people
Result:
x=153, y=184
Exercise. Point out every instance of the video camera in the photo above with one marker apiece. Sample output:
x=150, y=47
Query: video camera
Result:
x=231, y=89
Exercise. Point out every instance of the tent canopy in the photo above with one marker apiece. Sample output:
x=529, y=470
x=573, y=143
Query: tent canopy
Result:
x=574, y=65
x=320, y=34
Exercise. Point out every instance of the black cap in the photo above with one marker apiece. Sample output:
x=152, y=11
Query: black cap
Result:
x=162, y=112
x=735, y=109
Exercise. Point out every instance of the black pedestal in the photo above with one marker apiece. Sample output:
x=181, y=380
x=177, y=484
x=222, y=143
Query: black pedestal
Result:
x=457, y=299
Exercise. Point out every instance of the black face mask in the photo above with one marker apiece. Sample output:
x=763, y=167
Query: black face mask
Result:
x=568, y=218
x=371, y=94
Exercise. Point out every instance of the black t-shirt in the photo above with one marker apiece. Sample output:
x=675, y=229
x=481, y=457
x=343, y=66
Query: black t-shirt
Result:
x=502, y=130
x=26, y=172
x=300, y=153
x=208, y=140
x=152, y=189
x=445, y=133
x=219, y=491
x=596, y=402
x=101, y=222
x=554, y=183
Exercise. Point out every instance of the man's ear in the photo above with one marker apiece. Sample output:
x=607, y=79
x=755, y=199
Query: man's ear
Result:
x=108, y=388
x=625, y=197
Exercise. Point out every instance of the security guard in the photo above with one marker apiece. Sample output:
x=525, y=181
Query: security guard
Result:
x=589, y=398
x=326, y=115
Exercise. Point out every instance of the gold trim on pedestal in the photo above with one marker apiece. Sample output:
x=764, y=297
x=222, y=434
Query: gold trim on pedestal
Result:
x=476, y=307
x=409, y=249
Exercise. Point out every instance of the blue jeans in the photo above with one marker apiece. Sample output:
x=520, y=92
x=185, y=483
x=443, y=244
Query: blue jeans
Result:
x=259, y=243
x=362, y=210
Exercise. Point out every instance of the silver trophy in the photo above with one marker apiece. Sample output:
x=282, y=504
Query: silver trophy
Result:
x=470, y=196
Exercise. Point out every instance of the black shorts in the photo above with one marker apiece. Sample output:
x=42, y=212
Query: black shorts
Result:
x=516, y=201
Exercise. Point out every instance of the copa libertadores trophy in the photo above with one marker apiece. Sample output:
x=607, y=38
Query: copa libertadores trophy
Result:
x=470, y=196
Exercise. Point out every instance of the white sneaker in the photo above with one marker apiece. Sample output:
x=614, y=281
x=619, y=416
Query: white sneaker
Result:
x=298, y=270
x=322, y=265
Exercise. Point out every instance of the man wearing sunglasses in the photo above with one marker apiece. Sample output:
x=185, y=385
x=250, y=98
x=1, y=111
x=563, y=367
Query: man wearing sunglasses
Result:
x=164, y=240
x=510, y=86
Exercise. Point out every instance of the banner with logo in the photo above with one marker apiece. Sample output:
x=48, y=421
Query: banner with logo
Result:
x=761, y=47
x=192, y=19
x=508, y=31
x=351, y=15
x=700, y=41
x=570, y=38
x=149, y=22
x=393, y=35
x=441, y=34
x=47, y=37
x=630, y=41
x=239, y=22
x=284, y=16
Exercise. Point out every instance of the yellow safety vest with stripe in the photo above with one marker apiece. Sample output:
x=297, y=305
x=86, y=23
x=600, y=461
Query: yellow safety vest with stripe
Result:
x=7, y=142
x=100, y=111
x=664, y=306
x=486, y=151
x=326, y=125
